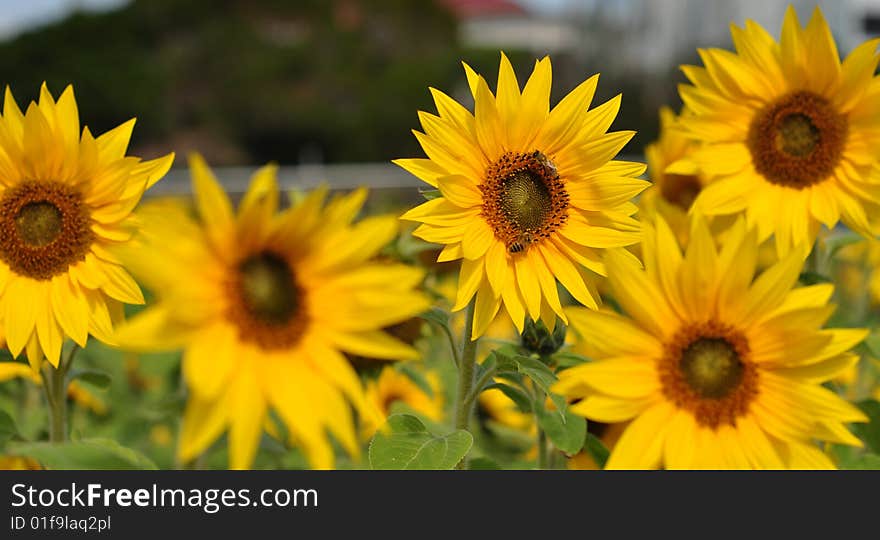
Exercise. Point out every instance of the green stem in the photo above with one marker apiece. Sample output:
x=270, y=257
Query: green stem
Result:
x=542, y=449
x=452, y=345
x=466, y=366
x=478, y=387
x=542, y=436
x=55, y=384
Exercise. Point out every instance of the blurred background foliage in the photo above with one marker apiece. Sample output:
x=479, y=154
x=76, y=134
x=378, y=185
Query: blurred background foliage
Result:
x=296, y=82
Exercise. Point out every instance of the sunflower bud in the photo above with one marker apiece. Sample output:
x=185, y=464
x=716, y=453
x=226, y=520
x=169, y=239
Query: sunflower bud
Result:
x=537, y=338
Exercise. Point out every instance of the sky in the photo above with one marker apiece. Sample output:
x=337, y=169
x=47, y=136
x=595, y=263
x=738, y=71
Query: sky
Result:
x=20, y=15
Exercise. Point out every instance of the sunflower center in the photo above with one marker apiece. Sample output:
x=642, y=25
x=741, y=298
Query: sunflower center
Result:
x=524, y=199
x=706, y=370
x=680, y=189
x=798, y=140
x=44, y=228
x=266, y=301
x=267, y=288
x=38, y=223
x=797, y=136
x=711, y=367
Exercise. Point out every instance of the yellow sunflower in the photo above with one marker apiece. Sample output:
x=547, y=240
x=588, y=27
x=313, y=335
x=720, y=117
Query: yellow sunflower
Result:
x=789, y=132
x=528, y=195
x=66, y=199
x=716, y=368
x=392, y=386
x=264, y=304
x=670, y=194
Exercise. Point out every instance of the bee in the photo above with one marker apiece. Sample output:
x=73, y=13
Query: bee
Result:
x=520, y=243
x=544, y=161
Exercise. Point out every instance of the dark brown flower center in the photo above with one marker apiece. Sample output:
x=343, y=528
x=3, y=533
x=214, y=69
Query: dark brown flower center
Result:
x=266, y=301
x=44, y=228
x=706, y=370
x=680, y=189
x=524, y=199
x=798, y=140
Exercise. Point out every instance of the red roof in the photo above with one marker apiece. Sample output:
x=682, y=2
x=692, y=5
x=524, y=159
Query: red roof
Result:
x=477, y=8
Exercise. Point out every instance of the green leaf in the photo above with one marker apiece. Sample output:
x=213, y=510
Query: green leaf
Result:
x=566, y=432
x=567, y=359
x=870, y=432
x=541, y=375
x=430, y=194
x=813, y=278
x=436, y=316
x=483, y=464
x=409, y=446
x=522, y=401
x=864, y=462
x=99, y=379
x=94, y=454
x=7, y=428
x=597, y=450
x=537, y=371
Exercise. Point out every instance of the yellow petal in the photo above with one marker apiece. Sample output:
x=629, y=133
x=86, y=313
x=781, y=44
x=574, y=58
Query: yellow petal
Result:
x=641, y=445
x=247, y=412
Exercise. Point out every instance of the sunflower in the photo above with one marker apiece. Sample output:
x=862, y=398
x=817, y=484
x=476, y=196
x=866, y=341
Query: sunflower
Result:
x=495, y=405
x=855, y=269
x=528, y=195
x=264, y=304
x=788, y=132
x=66, y=199
x=715, y=368
x=670, y=194
x=393, y=386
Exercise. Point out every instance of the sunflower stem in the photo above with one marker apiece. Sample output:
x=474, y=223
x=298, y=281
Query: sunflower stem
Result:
x=466, y=367
x=542, y=449
x=55, y=384
x=541, y=442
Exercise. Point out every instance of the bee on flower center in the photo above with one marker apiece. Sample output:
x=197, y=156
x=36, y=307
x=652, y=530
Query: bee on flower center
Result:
x=524, y=199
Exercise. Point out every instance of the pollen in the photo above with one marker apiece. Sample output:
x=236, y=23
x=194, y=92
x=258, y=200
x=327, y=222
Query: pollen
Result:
x=798, y=140
x=45, y=227
x=265, y=301
x=706, y=369
x=524, y=199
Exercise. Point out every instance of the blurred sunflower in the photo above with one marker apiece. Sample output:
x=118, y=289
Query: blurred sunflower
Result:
x=529, y=195
x=855, y=269
x=393, y=386
x=715, y=369
x=66, y=198
x=670, y=194
x=18, y=463
x=789, y=132
x=264, y=304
